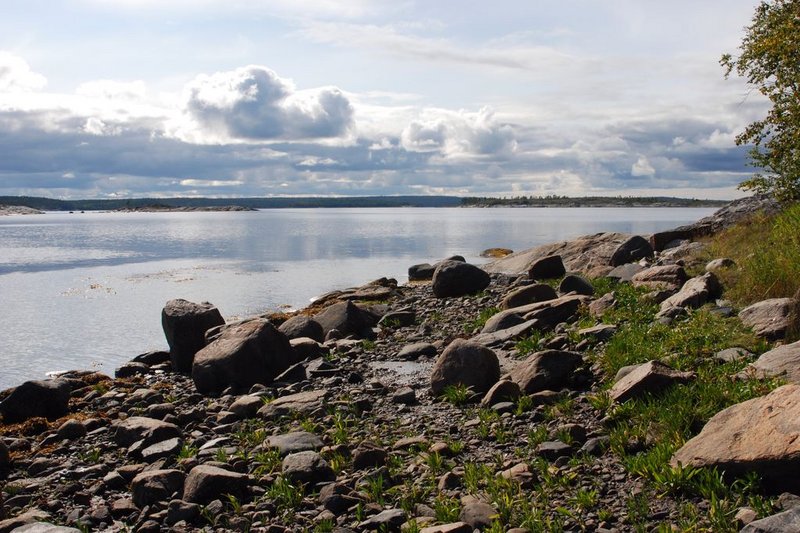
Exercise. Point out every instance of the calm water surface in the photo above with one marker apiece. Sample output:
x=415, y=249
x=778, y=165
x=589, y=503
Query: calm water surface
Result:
x=86, y=290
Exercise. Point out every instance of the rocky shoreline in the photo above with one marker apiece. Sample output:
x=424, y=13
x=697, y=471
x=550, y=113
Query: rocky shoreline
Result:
x=389, y=408
x=8, y=210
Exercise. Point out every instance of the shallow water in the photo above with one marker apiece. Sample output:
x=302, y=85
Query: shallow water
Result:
x=86, y=290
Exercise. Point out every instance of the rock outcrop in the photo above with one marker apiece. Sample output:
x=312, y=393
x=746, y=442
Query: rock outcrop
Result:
x=185, y=324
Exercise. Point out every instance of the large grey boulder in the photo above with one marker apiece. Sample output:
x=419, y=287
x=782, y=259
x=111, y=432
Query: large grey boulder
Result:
x=302, y=326
x=206, y=483
x=185, y=324
x=529, y=294
x=307, y=468
x=347, y=318
x=465, y=363
x=633, y=249
x=660, y=277
x=301, y=403
x=455, y=278
x=548, y=267
x=156, y=486
x=549, y=313
x=141, y=428
x=782, y=362
x=545, y=370
x=760, y=435
x=784, y=522
x=293, y=442
x=650, y=377
x=252, y=352
x=48, y=398
x=695, y=293
x=772, y=318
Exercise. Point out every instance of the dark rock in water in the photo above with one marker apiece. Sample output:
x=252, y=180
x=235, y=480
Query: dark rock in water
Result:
x=347, y=318
x=206, y=483
x=547, y=268
x=155, y=486
x=252, y=352
x=465, y=363
x=302, y=326
x=529, y=294
x=633, y=249
x=48, y=398
x=455, y=278
x=459, y=258
x=420, y=272
x=185, y=324
x=546, y=370
x=576, y=284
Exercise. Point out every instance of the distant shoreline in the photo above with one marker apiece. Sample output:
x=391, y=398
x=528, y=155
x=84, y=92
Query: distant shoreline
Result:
x=250, y=204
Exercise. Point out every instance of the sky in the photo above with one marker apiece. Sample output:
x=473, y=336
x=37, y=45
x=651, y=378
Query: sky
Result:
x=235, y=98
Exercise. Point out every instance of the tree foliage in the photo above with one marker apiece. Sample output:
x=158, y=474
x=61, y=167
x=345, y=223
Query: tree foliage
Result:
x=770, y=61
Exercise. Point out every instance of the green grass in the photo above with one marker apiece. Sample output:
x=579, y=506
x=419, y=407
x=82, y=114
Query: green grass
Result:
x=477, y=323
x=767, y=254
x=458, y=394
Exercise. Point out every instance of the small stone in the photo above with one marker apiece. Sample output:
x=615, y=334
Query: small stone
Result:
x=369, y=455
x=390, y=520
x=307, y=467
x=206, y=483
x=296, y=441
x=477, y=514
x=404, y=396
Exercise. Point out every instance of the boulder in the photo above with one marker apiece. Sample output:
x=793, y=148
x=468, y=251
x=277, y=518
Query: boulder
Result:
x=720, y=264
x=599, y=307
x=659, y=277
x=246, y=406
x=529, y=294
x=576, y=284
x=293, y=442
x=45, y=527
x=48, y=398
x=584, y=254
x=252, y=352
x=420, y=272
x=185, y=324
x=466, y=363
x=695, y=293
x=347, y=318
x=784, y=522
x=388, y=520
x=454, y=278
x=417, y=350
x=625, y=273
x=502, y=391
x=5, y=457
x=660, y=240
x=503, y=335
x=399, y=318
x=772, y=318
x=478, y=514
x=545, y=370
x=302, y=403
x=549, y=314
x=156, y=486
x=307, y=468
x=140, y=428
x=650, y=377
x=302, y=326
x=369, y=455
x=633, y=249
x=760, y=435
x=548, y=267
x=783, y=362
x=306, y=349
x=206, y=483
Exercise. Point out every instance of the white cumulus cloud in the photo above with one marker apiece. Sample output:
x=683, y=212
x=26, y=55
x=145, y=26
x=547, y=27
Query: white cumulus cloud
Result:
x=643, y=168
x=459, y=134
x=16, y=75
x=254, y=103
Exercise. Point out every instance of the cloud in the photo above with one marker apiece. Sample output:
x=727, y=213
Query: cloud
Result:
x=17, y=76
x=113, y=90
x=642, y=168
x=456, y=134
x=254, y=103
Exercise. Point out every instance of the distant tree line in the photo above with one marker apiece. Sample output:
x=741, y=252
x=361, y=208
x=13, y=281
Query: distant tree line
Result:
x=589, y=201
